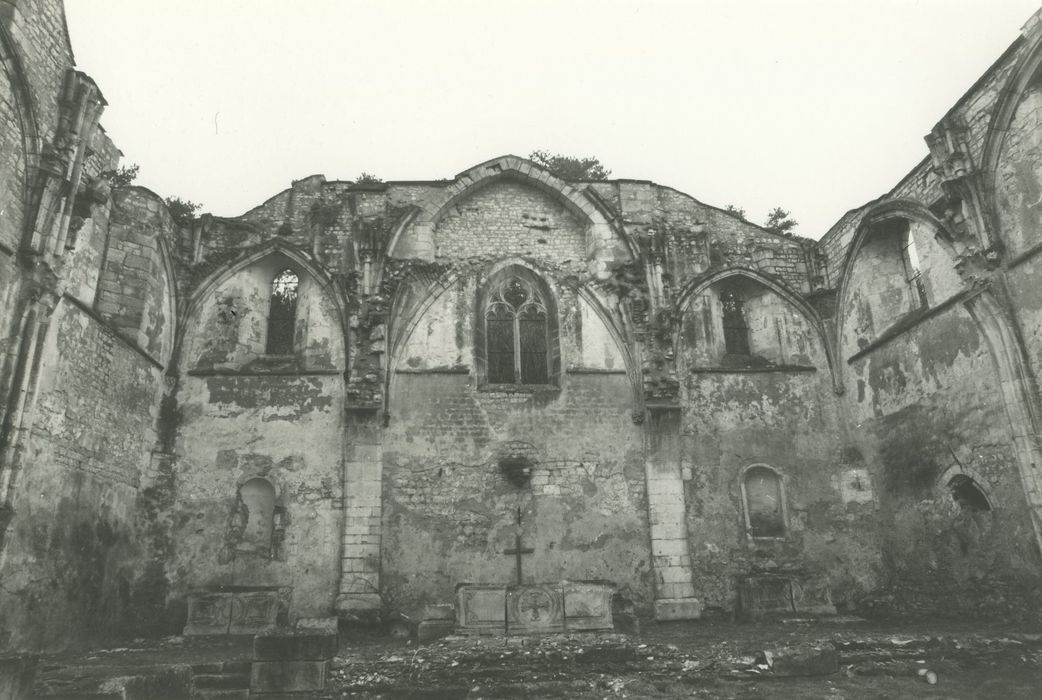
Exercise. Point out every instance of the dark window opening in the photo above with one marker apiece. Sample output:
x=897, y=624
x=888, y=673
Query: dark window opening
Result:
x=736, y=331
x=282, y=313
x=763, y=503
x=516, y=335
x=517, y=470
x=967, y=495
x=913, y=271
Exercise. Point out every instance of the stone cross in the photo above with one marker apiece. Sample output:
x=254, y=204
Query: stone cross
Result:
x=518, y=551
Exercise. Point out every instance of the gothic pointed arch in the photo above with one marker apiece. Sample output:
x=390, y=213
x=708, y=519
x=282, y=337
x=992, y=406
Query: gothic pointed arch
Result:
x=304, y=262
x=897, y=218
x=1025, y=72
x=724, y=279
x=606, y=241
x=27, y=135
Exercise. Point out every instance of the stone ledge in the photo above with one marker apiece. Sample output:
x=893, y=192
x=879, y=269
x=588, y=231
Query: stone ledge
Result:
x=294, y=645
x=288, y=676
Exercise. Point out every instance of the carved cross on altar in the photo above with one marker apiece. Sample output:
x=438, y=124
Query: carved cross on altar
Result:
x=518, y=551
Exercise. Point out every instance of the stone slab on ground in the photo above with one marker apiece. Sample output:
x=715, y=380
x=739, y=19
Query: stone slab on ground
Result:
x=764, y=594
x=668, y=609
x=173, y=683
x=535, y=609
x=587, y=605
x=803, y=660
x=236, y=610
x=288, y=676
x=294, y=645
x=481, y=609
x=813, y=596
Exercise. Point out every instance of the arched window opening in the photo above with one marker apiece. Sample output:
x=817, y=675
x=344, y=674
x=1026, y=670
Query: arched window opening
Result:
x=516, y=333
x=258, y=499
x=282, y=313
x=913, y=270
x=736, y=330
x=967, y=495
x=764, y=502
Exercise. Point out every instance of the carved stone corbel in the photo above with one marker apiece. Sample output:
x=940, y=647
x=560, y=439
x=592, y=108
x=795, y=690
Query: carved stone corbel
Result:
x=962, y=207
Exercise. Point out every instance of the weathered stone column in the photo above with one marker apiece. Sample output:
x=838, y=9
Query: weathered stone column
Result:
x=667, y=510
x=359, y=594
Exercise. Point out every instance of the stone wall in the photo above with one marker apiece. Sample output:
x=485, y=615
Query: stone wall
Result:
x=72, y=558
x=245, y=415
x=134, y=286
x=582, y=507
x=928, y=405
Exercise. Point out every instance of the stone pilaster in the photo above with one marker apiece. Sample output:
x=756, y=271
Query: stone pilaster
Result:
x=667, y=513
x=359, y=594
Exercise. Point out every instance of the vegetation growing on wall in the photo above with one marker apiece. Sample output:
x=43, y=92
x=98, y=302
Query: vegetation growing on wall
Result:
x=569, y=167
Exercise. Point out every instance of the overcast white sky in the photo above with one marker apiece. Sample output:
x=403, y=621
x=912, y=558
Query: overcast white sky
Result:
x=815, y=105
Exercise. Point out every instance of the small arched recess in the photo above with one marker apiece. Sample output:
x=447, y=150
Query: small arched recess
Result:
x=764, y=508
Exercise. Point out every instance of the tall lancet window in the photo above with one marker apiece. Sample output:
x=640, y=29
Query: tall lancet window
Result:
x=516, y=333
x=736, y=331
x=282, y=313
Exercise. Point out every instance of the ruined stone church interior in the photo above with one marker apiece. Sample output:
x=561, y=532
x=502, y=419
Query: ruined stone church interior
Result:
x=533, y=400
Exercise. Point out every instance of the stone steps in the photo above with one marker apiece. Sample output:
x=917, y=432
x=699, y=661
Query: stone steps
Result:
x=221, y=681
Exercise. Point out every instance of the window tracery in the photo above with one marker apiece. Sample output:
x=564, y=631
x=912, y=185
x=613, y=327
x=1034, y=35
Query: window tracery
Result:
x=282, y=313
x=736, y=330
x=516, y=333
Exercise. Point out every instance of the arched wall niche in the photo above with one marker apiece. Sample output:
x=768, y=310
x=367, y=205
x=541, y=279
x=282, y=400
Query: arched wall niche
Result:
x=257, y=499
x=227, y=325
x=741, y=319
x=901, y=262
x=764, y=508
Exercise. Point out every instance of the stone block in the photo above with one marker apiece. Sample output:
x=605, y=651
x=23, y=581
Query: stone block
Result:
x=535, y=609
x=678, y=609
x=587, y=606
x=253, y=612
x=246, y=611
x=803, y=660
x=294, y=645
x=429, y=630
x=481, y=609
x=764, y=595
x=319, y=624
x=208, y=613
x=288, y=676
x=813, y=597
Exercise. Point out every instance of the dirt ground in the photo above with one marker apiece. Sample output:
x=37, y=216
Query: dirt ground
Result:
x=705, y=660
x=690, y=659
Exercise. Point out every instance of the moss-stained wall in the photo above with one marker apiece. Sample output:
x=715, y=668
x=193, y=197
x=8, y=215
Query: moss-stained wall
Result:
x=243, y=415
x=927, y=406
x=450, y=510
x=73, y=557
